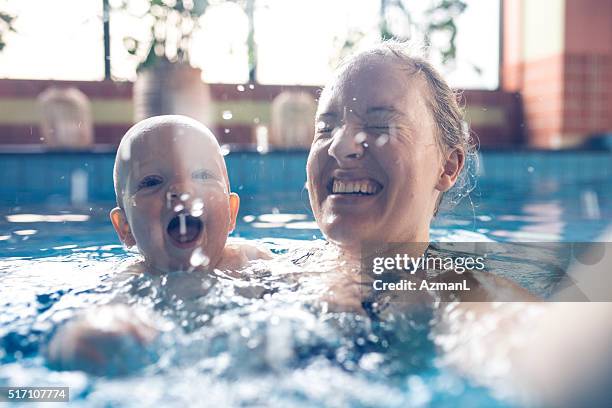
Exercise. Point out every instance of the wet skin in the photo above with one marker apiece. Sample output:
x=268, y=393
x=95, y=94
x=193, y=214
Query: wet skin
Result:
x=176, y=200
x=374, y=128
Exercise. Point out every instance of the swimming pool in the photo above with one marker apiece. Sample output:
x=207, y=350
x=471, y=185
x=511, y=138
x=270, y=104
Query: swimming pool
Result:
x=57, y=250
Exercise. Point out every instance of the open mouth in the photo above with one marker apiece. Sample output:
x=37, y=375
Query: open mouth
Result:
x=184, y=228
x=361, y=187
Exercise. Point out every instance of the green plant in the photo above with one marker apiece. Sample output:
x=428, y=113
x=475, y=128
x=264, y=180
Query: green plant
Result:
x=440, y=18
x=172, y=23
x=7, y=22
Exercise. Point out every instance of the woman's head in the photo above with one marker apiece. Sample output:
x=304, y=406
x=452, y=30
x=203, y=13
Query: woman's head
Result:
x=389, y=142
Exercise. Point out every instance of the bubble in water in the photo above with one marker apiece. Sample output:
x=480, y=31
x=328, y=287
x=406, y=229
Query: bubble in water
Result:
x=360, y=137
x=227, y=115
x=240, y=88
x=197, y=208
x=382, y=140
x=225, y=150
x=178, y=208
x=198, y=258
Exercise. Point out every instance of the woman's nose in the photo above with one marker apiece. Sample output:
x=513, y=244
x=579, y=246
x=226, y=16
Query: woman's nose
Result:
x=347, y=144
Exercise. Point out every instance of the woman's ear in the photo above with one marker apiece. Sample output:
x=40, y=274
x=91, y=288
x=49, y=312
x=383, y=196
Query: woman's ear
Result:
x=451, y=168
x=234, y=205
x=119, y=220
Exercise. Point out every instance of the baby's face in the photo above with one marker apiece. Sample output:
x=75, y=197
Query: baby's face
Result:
x=176, y=200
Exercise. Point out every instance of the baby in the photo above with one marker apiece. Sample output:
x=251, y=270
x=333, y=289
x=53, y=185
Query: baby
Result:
x=174, y=200
x=174, y=204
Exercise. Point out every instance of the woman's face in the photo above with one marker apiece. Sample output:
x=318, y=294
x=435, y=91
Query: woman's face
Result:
x=374, y=167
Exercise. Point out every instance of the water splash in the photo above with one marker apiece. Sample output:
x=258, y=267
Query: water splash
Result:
x=182, y=224
x=198, y=258
x=197, y=207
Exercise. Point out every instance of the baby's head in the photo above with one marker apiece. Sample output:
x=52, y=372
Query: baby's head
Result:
x=173, y=195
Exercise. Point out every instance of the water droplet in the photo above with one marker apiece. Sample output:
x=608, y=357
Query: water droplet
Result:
x=225, y=150
x=198, y=258
x=226, y=131
x=248, y=218
x=251, y=86
x=125, y=151
x=197, y=208
x=365, y=145
x=360, y=137
x=184, y=196
x=382, y=140
x=178, y=208
x=240, y=88
x=256, y=121
x=354, y=99
x=227, y=115
x=530, y=169
x=182, y=224
x=321, y=125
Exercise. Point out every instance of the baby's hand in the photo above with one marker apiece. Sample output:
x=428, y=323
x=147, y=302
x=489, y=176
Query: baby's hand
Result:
x=237, y=255
x=111, y=340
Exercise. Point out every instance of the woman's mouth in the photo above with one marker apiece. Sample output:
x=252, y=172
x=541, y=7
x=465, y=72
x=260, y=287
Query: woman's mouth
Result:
x=184, y=229
x=360, y=187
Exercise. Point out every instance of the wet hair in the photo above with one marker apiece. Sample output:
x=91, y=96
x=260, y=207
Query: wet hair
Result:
x=444, y=104
x=147, y=127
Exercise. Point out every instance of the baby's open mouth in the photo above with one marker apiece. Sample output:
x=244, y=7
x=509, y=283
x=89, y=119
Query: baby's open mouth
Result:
x=184, y=228
x=354, y=187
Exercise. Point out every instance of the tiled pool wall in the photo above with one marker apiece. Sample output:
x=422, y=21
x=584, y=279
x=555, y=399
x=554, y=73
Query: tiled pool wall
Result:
x=61, y=178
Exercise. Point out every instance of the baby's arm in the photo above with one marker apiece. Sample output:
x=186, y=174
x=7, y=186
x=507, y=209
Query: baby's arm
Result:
x=239, y=253
x=109, y=340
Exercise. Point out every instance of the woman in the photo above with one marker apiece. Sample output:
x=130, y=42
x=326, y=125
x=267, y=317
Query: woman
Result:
x=389, y=143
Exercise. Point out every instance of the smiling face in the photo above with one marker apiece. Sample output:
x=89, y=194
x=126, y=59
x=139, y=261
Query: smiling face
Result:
x=375, y=167
x=175, y=196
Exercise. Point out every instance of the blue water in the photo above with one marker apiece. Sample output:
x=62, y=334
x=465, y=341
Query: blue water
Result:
x=57, y=259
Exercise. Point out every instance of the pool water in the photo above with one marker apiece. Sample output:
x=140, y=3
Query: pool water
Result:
x=233, y=350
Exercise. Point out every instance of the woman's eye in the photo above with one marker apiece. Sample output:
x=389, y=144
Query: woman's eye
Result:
x=150, y=181
x=377, y=129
